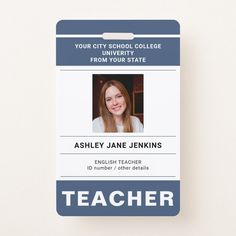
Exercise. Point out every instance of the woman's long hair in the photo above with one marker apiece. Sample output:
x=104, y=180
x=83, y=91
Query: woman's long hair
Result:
x=109, y=122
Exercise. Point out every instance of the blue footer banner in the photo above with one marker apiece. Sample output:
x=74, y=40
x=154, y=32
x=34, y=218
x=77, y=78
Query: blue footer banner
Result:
x=118, y=198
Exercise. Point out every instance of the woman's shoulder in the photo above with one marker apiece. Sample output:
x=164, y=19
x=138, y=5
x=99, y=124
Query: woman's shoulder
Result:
x=137, y=124
x=98, y=119
x=98, y=124
x=135, y=119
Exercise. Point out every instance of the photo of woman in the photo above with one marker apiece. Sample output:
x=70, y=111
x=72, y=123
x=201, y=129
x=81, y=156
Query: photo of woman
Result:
x=115, y=110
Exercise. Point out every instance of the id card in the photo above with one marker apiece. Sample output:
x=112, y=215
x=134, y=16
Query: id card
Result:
x=118, y=117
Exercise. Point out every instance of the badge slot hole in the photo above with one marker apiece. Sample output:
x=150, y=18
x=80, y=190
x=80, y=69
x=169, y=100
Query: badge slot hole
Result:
x=118, y=36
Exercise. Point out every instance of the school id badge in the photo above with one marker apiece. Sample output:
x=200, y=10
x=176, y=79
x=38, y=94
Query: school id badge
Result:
x=118, y=117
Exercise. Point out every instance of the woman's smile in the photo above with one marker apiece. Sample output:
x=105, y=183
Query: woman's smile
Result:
x=117, y=108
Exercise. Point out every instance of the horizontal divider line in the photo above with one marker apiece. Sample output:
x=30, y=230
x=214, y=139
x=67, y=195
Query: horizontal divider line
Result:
x=68, y=153
x=101, y=36
x=116, y=70
x=116, y=136
x=159, y=176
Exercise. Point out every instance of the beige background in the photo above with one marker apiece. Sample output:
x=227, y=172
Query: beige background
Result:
x=27, y=115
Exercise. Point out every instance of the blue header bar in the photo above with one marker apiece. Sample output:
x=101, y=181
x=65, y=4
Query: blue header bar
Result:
x=118, y=26
x=75, y=46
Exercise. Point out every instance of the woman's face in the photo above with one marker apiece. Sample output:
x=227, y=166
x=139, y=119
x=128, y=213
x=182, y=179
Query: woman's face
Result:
x=115, y=101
